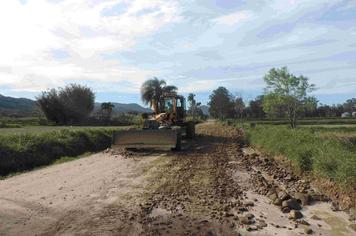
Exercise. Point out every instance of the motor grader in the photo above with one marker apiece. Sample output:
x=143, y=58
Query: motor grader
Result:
x=162, y=129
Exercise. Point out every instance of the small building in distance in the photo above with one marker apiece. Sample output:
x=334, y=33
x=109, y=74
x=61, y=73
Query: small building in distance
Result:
x=354, y=114
x=345, y=115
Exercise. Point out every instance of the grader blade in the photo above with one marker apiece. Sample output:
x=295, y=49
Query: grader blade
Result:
x=165, y=138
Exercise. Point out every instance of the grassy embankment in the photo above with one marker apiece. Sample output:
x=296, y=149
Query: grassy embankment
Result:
x=327, y=151
x=26, y=150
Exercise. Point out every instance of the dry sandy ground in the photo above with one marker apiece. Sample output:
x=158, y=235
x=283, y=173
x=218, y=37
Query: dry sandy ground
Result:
x=213, y=187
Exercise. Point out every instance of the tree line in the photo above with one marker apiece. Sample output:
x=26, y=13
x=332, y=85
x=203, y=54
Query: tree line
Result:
x=286, y=96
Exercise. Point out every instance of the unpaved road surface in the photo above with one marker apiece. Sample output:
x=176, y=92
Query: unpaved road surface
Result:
x=215, y=186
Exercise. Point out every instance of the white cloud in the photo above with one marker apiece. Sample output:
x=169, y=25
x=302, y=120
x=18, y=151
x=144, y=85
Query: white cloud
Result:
x=30, y=31
x=234, y=18
x=50, y=44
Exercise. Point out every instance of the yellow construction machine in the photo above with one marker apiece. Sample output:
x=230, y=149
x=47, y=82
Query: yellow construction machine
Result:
x=162, y=129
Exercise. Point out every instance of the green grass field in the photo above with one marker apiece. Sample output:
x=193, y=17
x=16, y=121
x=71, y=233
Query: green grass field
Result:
x=327, y=150
x=46, y=129
x=307, y=121
x=26, y=148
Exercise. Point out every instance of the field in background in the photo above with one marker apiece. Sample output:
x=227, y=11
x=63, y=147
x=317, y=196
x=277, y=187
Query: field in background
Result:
x=117, y=120
x=326, y=150
x=306, y=121
x=46, y=129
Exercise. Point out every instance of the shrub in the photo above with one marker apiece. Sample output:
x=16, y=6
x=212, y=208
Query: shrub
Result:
x=67, y=105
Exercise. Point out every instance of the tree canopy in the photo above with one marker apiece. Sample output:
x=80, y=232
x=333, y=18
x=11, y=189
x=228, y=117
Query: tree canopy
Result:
x=152, y=91
x=106, y=110
x=221, y=103
x=67, y=105
x=193, y=105
x=286, y=93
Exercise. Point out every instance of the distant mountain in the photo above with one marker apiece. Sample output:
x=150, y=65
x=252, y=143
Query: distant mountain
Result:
x=17, y=107
x=205, y=109
x=16, y=103
x=125, y=108
x=10, y=106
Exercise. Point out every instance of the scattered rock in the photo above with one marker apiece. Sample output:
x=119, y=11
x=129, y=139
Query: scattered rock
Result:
x=249, y=216
x=246, y=220
x=242, y=209
x=283, y=195
x=303, y=198
x=285, y=209
x=228, y=214
x=249, y=204
x=261, y=224
x=251, y=228
x=308, y=231
x=294, y=215
x=272, y=196
x=302, y=222
x=315, y=217
x=277, y=202
x=317, y=197
x=293, y=204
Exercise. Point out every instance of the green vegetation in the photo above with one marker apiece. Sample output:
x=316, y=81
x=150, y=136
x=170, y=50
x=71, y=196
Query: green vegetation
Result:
x=306, y=121
x=152, y=91
x=123, y=119
x=68, y=105
x=19, y=152
x=35, y=130
x=287, y=94
x=221, y=104
x=317, y=150
x=194, y=112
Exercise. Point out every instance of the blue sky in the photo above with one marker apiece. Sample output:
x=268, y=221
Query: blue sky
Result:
x=115, y=45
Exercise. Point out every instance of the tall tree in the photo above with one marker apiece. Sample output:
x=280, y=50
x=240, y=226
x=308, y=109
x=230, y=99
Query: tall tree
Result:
x=106, y=109
x=152, y=91
x=221, y=103
x=310, y=108
x=193, y=105
x=239, y=107
x=256, y=107
x=286, y=91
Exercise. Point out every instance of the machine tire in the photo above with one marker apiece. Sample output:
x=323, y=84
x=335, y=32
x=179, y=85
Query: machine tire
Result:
x=178, y=146
x=190, y=130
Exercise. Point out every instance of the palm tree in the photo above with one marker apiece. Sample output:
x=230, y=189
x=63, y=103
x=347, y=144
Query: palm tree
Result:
x=106, y=108
x=193, y=104
x=152, y=91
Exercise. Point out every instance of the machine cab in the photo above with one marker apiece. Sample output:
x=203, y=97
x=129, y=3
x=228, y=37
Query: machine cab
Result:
x=175, y=105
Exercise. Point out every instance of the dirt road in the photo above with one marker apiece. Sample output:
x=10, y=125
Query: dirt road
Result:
x=213, y=187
